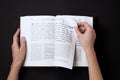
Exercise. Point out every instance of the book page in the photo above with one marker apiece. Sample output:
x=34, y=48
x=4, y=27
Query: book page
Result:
x=64, y=44
x=50, y=42
x=80, y=56
x=39, y=32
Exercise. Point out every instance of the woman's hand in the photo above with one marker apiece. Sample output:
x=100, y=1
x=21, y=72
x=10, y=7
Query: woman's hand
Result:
x=18, y=55
x=86, y=34
x=18, y=52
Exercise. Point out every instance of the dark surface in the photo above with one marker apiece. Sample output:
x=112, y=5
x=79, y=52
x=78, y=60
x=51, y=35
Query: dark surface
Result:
x=106, y=24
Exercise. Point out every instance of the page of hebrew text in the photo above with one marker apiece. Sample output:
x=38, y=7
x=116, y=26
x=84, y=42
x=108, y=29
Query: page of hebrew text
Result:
x=64, y=44
x=80, y=56
x=39, y=32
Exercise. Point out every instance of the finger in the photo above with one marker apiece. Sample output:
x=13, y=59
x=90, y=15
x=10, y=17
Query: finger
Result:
x=86, y=27
x=15, y=37
x=82, y=29
x=80, y=24
x=84, y=24
x=77, y=31
x=23, y=45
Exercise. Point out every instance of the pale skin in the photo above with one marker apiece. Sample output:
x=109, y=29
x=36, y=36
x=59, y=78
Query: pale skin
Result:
x=86, y=36
x=18, y=55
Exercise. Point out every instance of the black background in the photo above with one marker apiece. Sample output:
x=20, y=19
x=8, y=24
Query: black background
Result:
x=106, y=24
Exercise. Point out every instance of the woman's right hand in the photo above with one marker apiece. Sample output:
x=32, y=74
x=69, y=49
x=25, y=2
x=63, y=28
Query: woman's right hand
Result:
x=86, y=34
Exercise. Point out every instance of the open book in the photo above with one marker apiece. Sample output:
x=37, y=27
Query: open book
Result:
x=52, y=41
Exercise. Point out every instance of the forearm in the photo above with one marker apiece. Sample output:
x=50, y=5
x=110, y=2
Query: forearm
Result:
x=18, y=55
x=93, y=66
x=14, y=72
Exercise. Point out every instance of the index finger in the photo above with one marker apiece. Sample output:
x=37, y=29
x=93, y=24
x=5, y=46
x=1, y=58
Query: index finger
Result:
x=15, y=37
x=84, y=24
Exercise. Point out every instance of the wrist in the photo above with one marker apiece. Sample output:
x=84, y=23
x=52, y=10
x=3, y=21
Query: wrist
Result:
x=15, y=67
x=88, y=48
x=14, y=72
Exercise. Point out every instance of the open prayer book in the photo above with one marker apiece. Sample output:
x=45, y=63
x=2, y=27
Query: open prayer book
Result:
x=52, y=41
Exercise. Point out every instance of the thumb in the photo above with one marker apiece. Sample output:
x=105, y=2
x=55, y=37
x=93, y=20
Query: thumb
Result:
x=77, y=31
x=23, y=45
